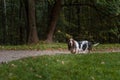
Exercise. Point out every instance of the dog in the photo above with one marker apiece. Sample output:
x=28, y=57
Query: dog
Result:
x=80, y=46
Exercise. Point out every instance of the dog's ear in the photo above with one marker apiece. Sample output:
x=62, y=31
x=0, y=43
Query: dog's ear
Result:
x=68, y=47
x=68, y=43
x=73, y=42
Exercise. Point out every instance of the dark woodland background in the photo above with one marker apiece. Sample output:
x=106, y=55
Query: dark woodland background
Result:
x=31, y=21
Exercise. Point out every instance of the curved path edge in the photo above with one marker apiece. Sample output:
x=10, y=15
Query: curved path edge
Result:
x=9, y=55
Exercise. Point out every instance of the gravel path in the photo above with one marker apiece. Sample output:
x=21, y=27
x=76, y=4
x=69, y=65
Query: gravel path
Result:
x=10, y=55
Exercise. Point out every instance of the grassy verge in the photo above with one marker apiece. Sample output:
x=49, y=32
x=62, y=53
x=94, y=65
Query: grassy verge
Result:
x=44, y=46
x=64, y=67
x=41, y=46
x=107, y=46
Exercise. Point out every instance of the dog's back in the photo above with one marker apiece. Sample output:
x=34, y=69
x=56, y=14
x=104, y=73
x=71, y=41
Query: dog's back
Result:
x=85, y=45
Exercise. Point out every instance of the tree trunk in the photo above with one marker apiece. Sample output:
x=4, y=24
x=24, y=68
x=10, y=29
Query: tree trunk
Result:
x=32, y=37
x=21, y=29
x=4, y=22
x=53, y=20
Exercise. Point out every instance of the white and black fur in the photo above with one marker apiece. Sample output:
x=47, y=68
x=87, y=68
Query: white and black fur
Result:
x=80, y=46
x=73, y=46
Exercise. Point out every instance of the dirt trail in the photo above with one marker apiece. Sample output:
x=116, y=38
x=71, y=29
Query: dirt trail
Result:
x=9, y=55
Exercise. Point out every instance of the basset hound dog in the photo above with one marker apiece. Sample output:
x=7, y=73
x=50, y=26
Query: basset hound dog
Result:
x=80, y=46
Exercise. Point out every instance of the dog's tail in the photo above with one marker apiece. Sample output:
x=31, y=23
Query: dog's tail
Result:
x=96, y=44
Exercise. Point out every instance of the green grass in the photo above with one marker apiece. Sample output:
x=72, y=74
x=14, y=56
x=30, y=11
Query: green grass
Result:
x=108, y=46
x=45, y=46
x=40, y=46
x=104, y=66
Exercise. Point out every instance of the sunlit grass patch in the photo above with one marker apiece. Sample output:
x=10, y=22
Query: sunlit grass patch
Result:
x=40, y=46
x=64, y=67
x=54, y=46
x=107, y=47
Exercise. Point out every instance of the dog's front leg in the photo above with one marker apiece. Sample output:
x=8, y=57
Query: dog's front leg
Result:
x=75, y=51
x=78, y=51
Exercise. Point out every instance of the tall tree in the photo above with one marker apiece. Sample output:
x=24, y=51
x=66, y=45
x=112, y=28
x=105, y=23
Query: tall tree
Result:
x=22, y=35
x=32, y=37
x=4, y=22
x=53, y=20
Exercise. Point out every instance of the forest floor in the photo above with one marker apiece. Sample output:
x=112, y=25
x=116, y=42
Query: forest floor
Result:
x=9, y=55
